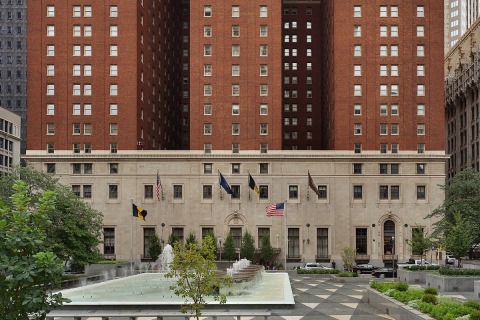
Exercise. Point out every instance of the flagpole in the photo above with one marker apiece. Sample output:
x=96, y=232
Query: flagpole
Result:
x=131, y=240
x=286, y=233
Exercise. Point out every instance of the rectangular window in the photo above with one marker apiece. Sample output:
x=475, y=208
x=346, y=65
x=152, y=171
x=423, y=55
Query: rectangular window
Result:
x=357, y=168
x=235, y=31
x=361, y=243
x=51, y=11
x=420, y=90
x=421, y=192
x=421, y=148
x=235, y=70
x=357, y=129
x=421, y=129
x=263, y=11
x=383, y=193
x=357, y=31
x=293, y=192
x=263, y=50
x=207, y=168
x=357, y=192
x=383, y=11
x=113, y=191
x=147, y=236
x=148, y=191
x=293, y=243
x=235, y=191
x=113, y=11
x=235, y=11
x=263, y=191
x=357, y=11
x=420, y=50
x=108, y=241
x=263, y=70
x=207, y=11
x=420, y=31
x=177, y=191
x=357, y=70
x=357, y=50
x=113, y=168
x=207, y=192
x=235, y=50
x=383, y=31
x=207, y=31
x=420, y=11
x=394, y=31
x=420, y=168
x=263, y=31
x=113, y=50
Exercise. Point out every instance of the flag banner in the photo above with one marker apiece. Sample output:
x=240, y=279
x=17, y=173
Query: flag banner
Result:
x=224, y=184
x=159, y=185
x=252, y=184
x=312, y=185
x=139, y=212
x=275, y=210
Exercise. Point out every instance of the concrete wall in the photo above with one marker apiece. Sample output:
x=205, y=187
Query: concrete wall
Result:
x=450, y=284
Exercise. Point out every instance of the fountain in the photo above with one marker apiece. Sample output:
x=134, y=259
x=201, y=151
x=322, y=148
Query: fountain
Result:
x=167, y=258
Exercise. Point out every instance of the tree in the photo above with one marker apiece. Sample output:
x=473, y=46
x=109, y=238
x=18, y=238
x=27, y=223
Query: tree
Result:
x=459, y=237
x=192, y=238
x=266, y=249
x=229, y=252
x=76, y=227
x=173, y=239
x=420, y=243
x=213, y=241
x=462, y=196
x=154, y=247
x=247, y=248
x=348, y=257
x=28, y=269
x=194, y=270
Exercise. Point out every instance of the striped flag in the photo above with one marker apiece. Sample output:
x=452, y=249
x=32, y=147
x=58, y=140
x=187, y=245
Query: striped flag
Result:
x=275, y=210
x=252, y=184
x=159, y=185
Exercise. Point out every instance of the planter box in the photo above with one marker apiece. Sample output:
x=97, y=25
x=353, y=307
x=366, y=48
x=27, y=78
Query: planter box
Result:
x=450, y=284
x=412, y=277
x=392, y=307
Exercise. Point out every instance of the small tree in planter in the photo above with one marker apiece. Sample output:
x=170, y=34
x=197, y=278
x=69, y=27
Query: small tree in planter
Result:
x=154, y=247
x=348, y=257
x=247, y=249
x=172, y=239
x=420, y=243
x=191, y=238
x=266, y=250
x=229, y=248
x=459, y=237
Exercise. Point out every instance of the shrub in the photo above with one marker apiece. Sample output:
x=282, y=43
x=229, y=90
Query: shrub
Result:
x=431, y=291
x=382, y=286
x=348, y=274
x=429, y=298
x=422, y=268
x=402, y=286
x=472, y=304
x=406, y=296
x=475, y=315
x=459, y=272
x=317, y=271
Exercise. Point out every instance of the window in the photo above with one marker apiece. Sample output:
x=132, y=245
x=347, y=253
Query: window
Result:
x=177, y=191
x=263, y=109
x=420, y=90
x=77, y=51
x=235, y=31
x=394, y=109
x=113, y=70
x=420, y=109
x=383, y=51
x=50, y=70
x=394, y=168
x=113, y=129
x=383, y=90
x=87, y=50
x=357, y=192
x=263, y=90
x=263, y=191
x=394, y=11
x=148, y=191
x=113, y=31
x=357, y=109
x=207, y=11
x=357, y=129
x=383, y=148
x=394, y=70
x=207, y=50
x=383, y=11
x=77, y=31
x=263, y=50
x=87, y=11
x=394, y=50
x=263, y=70
x=357, y=70
x=113, y=11
x=420, y=148
x=394, y=90
x=357, y=90
x=420, y=11
x=113, y=109
x=394, y=129
x=383, y=70
x=292, y=192
x=87, y=70
x=357, y=147
x=357, y=31
x=383, y=31
x=50, y=89
x=87, y=128
x=51, y=50
x=235, y=11
x=207, y=128
x=77, y=11
x=383, y=168
x=235, y=50
x=113, y=50
x=420, y=168
x=263, y=31
x=357, y=50
x=383, y=129
x=421, y=129
x=420, y=31
x=420, y=50
x=87, y=31
x=50, y=109
x=207, y=31
x=421, y=192
x=263, y=11
x=50, y=129
x=87, y=89
x=357, y=168
x=263, y=129
x=207, y=109
x=207, y=90
x=235, y=109
x=50, y=11
x=235, y=90
x=394, y=31
x=207, y=192
x=113, y=147
x=113, y=167
x=50, y=31
x=357, y=11
x=420, y=70
x=235, y=129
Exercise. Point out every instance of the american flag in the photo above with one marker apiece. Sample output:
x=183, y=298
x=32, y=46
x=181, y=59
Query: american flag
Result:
x=159, y=185
x=275, y=210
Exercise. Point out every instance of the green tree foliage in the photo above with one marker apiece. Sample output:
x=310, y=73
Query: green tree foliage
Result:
x=173, y=239
x=28, y=269
x=247, y=249
x=154, y=247
x=191, y=238
x=213, y=241
x=459, y=236
x=420, y=242
x=462, y=195
x=266, y=249
x=196, y=277
x=229, y=252
x=76, y=227
x=348, y=256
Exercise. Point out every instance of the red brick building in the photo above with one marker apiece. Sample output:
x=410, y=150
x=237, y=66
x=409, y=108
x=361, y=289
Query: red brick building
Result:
x=214, y=75
x=104, y=75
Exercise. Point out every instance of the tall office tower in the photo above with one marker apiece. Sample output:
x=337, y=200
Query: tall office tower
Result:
x=302, y=77
x=185, y=74
x=235, y=75
x=383, y=76
x=459, y=16
x=104, y=75
x=13, y=64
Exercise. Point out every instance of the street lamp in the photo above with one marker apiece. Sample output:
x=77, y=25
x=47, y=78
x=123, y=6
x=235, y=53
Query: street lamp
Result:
x=393, y=255
x=220, y=246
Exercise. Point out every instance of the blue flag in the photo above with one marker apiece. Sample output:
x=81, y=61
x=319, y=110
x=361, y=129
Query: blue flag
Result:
x=224, y=184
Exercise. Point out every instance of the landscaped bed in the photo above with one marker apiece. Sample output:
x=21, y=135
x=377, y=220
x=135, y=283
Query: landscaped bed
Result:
x=428, y=301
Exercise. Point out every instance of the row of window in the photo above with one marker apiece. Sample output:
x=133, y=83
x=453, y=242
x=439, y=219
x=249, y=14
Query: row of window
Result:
x=385, y=91
x=6, y=145
x=208, y=32
x=394, y=50
x=207, y=147
x=388, y=11
x=77, y=109
x=11, y=2
x=208, y=11
x=87, y=147
x=208, y=49
x=77, y=89
x=384, y=70
x=9, y=59
x=77, y=11
x=394, y=148
x=294, y=51
x=207, y=129
x=77, y=70
x=9, y=44
x=9, y=30
x=384, y=108
x=207, y=109
x=386, y=192
x=294, y=66
x=208, y=90
x=420, y=31
x=77, y=50
x=77, y=30
x=208, y=70
x=9, y=73
x=87, y=129
x=394, y=129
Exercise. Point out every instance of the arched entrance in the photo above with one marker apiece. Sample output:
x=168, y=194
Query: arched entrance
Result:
x=389, y=237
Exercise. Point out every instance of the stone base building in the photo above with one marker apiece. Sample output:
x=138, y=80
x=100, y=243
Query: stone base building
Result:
x=371, y=202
